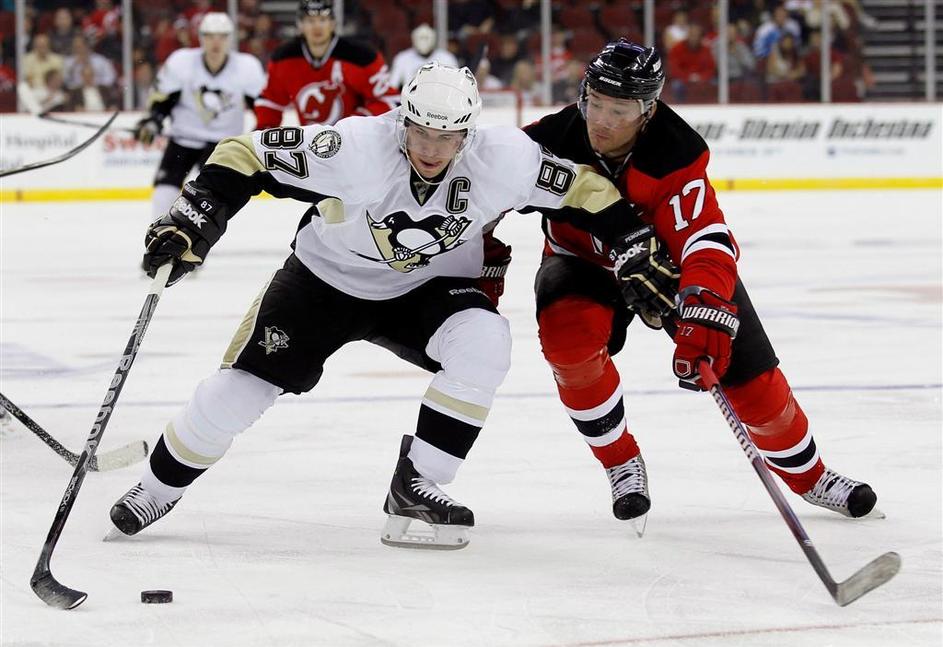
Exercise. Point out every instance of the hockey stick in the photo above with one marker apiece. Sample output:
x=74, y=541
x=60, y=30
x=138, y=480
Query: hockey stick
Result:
x=43, y=583
x=87, y=124
x=65, y=156
x=873, y=575
x=116, y=458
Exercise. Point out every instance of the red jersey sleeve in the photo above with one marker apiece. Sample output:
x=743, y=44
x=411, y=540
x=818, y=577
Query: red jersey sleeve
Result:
x=683, y=208
x=371, y=83
x=273, y=100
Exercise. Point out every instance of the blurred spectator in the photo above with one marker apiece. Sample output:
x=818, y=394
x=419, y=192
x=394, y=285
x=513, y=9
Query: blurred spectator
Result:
x=90, y=96
x=39, y=61
x=567, y=89
x=48, y=96
x=690, y=61
x=868, y=21
x=63, y=32
x=83, y=56
x=423, y=51
x=256, y=47
x=246, y=17
x=524, y=81
x=507, y=56
x=677, y=31
x=470, y=17
x=748, y=11
x=486, y=81
x=264, y=30
x=171, y=38
x=103, y=23
x=772, y=29
x=812, y=60
x=784, y=62
x=740, y=60
x=194, y=15
x=521, y=19
x=560, y=55
x=812, y=15
x=143, y=80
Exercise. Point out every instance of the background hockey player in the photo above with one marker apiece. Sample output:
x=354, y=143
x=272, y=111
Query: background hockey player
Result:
x=390, y=252
x=205, y=91
x=659, y=163
x=424, y=50
x=325, y=77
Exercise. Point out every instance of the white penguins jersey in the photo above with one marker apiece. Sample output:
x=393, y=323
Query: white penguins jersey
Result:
x=369, y=235
x=211, y=106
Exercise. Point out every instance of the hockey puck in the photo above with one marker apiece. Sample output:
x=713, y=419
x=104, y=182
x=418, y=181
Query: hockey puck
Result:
x=157, y=597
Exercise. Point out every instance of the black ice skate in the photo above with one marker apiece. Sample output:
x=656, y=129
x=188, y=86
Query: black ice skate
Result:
x=135, y=511
x=842, y=494
x=413, y=497
x=630, y=498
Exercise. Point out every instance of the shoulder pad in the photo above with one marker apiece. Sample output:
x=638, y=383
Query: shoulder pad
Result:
x=563, y=134
x=668, y=144
x=354, y=51
x=291, y=49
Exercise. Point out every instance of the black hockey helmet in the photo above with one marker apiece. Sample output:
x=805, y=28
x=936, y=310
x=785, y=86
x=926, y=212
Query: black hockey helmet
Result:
x=316, y=8
x=625, y=70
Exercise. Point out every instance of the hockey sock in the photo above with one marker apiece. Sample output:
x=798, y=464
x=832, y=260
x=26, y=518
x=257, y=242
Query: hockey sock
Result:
x=474, y=348
x=778, y=428
x=223, y=405
x=574, y=333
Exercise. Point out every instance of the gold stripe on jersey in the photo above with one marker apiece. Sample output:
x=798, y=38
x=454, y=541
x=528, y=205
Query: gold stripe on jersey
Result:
x=183, y=452
x=244, y=331
x=238, y=154
x=590, y=191
x=466, y=409
x=156, y=97
x=331, y=210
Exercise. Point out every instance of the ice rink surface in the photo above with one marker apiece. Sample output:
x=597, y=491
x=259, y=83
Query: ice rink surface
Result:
x=278, y=545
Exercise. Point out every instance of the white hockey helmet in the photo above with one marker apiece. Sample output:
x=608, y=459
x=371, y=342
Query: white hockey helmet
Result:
x=216, y=22
x=441, y=98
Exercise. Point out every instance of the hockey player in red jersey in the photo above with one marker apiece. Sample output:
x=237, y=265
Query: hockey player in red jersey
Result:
x=681, y=252
x=325, y=77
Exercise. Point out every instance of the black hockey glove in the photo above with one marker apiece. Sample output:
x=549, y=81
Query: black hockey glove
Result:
x=647, y=277
x=148, y=128
x=185, y=235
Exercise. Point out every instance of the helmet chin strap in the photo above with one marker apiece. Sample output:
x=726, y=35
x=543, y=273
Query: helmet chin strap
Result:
x=443, y=173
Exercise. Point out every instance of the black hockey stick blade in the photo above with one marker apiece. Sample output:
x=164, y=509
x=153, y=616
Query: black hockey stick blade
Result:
x=65, y=156
x=53, y=593
x=874, y=574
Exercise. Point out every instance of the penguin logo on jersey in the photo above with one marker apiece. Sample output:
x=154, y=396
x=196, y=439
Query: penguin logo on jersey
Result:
x=405, y=244
x=211, y=102
x=274, y=340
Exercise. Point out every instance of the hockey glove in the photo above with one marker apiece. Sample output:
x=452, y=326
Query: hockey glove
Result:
x=707, y=326
x=147, y=129
x=185, y=235
x=497, y=259
x=647, y=277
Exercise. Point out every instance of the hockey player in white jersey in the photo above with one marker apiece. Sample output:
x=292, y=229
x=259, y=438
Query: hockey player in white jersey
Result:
x=205, y=91
x=389, y=252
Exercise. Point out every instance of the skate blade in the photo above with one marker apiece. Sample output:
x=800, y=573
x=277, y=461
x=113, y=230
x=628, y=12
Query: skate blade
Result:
x=639, y=524
x=875, y=513
x=397, y=533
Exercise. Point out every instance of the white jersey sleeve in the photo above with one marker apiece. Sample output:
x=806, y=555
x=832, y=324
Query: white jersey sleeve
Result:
x=173, y=74
x=252, y=75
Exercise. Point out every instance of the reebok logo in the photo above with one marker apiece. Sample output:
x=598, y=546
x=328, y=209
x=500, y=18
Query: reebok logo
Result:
x=183, y=206
x=434, y=115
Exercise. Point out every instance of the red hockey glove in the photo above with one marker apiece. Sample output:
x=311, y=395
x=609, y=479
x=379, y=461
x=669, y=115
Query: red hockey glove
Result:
x=707, y=325
x=495, y=266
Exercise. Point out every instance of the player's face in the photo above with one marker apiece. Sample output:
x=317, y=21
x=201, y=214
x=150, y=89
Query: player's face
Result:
x=215, y=44
x=317, y=29
x=612, y=123
x=430, y=150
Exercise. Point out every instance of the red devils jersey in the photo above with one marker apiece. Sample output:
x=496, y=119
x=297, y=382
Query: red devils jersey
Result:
x=350, y=79
x=665, y=177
